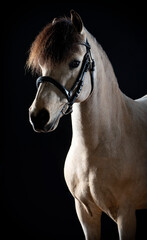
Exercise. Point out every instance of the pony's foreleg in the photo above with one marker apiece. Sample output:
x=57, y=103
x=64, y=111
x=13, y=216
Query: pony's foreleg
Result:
x=126, y=222
x=90, y=221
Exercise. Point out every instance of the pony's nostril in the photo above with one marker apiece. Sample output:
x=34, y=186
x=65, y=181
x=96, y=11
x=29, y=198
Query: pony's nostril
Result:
x=40, y=119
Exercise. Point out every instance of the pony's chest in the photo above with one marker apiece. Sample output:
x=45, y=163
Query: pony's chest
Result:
x=90, y=184
x=76, y=174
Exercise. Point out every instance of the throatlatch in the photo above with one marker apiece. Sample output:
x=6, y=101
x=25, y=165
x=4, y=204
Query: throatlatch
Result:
x=71, y=95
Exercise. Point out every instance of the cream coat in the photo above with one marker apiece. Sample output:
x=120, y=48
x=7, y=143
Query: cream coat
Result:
x=106, y=166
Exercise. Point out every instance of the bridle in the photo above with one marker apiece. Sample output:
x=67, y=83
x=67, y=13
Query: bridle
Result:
x=71, y=95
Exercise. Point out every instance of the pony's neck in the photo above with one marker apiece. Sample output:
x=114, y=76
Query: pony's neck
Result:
x=99, y=118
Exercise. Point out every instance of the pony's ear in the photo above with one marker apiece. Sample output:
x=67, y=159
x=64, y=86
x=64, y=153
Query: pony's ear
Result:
x=54, y=20
x=76, y=21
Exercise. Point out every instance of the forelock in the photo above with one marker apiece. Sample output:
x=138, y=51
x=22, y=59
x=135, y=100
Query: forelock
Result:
x=55, y=43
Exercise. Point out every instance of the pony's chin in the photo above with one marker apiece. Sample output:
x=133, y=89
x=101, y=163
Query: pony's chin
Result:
x=50, y=127
x=47, y=128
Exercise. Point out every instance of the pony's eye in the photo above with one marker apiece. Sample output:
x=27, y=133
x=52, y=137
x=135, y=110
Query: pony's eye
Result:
x=74, y=64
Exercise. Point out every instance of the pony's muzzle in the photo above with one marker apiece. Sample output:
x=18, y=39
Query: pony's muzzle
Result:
x=39, y=119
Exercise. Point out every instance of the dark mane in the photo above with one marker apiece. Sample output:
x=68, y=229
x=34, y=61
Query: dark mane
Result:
x=57, y=41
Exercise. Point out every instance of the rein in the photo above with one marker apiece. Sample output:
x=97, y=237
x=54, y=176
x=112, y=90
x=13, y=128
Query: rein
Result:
x=71, y=95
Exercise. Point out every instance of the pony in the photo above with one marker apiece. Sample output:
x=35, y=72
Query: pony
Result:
x=106, y=165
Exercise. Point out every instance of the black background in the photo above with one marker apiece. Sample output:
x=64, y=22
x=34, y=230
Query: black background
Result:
x=35, y=202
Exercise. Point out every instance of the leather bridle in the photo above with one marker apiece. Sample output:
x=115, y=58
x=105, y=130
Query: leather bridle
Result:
x=71, y=95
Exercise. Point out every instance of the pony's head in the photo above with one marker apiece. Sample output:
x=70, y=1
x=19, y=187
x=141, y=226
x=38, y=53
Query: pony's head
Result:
x=61, y=54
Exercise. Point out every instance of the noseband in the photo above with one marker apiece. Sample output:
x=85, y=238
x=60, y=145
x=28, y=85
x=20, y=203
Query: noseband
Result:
x=71, y=95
